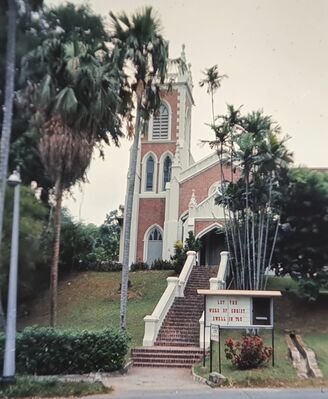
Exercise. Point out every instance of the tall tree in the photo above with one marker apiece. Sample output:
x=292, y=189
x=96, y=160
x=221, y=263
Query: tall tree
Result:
x=75, y=88
x=251, y=147
x=212, y=80
x=302, y=250
x=144, y=47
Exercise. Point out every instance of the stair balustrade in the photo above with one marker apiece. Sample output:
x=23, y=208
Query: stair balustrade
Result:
x=175, y=288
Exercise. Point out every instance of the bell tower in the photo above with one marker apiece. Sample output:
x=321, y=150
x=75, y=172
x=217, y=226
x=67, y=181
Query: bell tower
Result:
x=163, y=152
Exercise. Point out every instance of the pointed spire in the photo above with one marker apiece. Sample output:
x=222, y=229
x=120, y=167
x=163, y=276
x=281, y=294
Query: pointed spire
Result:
x=193, y=201
x=183, y=53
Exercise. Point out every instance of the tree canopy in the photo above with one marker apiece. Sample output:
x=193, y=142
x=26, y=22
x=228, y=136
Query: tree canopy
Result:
x=302, y=250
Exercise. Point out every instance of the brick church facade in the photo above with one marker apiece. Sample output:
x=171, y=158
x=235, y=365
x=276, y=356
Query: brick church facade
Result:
x=173, y=193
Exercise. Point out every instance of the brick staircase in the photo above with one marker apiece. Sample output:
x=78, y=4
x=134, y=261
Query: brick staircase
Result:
x=177, y=344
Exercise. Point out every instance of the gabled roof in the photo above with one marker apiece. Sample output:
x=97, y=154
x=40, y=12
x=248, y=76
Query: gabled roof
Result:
x=199, y=166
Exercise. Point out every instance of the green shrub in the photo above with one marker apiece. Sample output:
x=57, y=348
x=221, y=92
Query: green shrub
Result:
x=180, y=251
x=47, y=351
x=107, y=266
x=160, y=264
x=139, y=266
x=34, y=387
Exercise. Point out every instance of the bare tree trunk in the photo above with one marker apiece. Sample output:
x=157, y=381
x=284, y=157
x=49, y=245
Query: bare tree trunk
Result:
x=250, y=286
x=272, y=251
x=55, y=259
x=128, y=211
x=7, y=120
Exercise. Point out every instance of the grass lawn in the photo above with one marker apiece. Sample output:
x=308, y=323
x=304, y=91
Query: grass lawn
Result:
x=291, y=313
x=32, y=387
x=318, y=342
x=280, y=375
x=92, y=301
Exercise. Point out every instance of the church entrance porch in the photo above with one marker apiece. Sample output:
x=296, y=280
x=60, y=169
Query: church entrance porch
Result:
x=213, y=242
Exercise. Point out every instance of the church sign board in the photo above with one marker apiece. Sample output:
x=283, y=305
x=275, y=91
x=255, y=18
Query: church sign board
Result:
x=239, y=308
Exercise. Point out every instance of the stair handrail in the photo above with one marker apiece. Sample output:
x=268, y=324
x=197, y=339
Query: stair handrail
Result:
x=219, y=282
x=175, y=288
x=216, y=283
x=185, y=272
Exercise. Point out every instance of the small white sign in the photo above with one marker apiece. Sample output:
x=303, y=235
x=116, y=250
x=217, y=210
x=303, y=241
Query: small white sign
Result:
x=228, y=311
x=215, y=333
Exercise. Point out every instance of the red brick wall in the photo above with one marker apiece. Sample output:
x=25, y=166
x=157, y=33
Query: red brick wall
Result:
x=201, y=184
x=151, y=211
x=157, y=148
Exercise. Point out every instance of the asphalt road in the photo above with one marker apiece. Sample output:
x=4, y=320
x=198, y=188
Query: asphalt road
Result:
x=222, y=394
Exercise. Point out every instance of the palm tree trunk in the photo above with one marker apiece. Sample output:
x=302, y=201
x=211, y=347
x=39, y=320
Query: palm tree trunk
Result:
x=55, y=259
x=7, y=120
x=128, y=210
x=212, y=103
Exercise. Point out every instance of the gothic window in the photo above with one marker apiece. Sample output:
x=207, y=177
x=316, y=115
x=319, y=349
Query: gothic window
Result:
x=155, y=235
x=154, y=246
x=167, y=167
x=161, y=123
x=150, y=174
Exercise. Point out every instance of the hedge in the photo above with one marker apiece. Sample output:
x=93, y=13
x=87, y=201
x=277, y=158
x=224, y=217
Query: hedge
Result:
x=47, y=351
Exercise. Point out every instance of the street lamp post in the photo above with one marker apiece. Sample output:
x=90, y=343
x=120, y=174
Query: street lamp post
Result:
x=14, y=180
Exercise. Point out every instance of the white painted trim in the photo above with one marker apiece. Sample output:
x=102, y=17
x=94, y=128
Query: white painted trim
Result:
x=214, y=185
x=146, y=237
x=151, y=194
x=161, y=170
x=151, y=122
x=199, y=167
x=207, y=229
x=143, y=173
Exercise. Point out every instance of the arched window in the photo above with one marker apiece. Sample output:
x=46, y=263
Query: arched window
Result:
x=161, y=123
x=167, y=167
x=155, y=235
x=150, y=174
x=154, y=245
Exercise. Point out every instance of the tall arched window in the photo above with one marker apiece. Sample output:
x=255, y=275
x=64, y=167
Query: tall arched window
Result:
x=167, y=167
x=161, y=123
x=150, y=174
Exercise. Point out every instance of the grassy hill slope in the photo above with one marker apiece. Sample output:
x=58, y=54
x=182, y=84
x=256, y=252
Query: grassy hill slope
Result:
x=91, y=300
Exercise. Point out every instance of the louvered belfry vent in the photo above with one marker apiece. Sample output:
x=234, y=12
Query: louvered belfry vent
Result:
x=161, y=123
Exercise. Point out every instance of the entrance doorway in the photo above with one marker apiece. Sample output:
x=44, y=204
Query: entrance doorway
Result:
x=213, y=243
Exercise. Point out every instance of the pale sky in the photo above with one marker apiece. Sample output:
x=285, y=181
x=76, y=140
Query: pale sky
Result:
x=276, y=55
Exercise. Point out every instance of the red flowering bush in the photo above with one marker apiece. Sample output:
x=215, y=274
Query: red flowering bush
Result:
x=248, y=353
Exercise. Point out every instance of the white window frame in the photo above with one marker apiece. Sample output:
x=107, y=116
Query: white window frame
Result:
x=161, y=170
x=144, y=173
x=151, y=122
x=146, y=239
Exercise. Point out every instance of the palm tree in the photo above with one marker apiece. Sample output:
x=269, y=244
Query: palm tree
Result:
x=75, y=89
x=213, y=81
x=143, y=46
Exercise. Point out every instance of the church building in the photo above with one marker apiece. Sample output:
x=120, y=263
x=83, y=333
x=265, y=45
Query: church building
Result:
x=173, y=193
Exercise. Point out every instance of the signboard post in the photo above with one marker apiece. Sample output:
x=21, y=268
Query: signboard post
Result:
x=237, y=309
